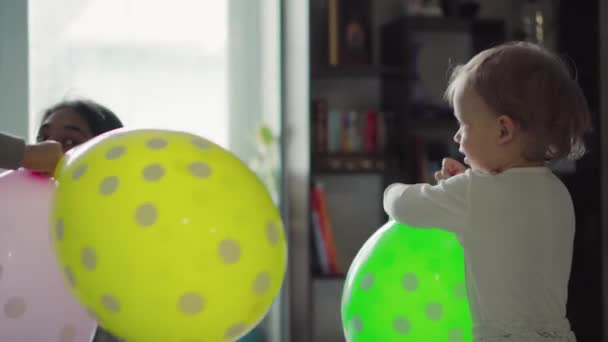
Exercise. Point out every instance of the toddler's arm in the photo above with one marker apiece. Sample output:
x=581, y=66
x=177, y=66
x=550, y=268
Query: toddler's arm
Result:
x=444, y=205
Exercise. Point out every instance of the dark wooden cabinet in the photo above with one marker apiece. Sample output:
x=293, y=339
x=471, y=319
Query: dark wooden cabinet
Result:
x=387, y=82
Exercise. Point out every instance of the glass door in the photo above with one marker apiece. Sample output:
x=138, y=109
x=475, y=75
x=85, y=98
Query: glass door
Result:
x=204, y=66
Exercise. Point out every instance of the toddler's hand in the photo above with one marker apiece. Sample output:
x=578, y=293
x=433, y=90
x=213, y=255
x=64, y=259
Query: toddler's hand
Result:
x=449, y=167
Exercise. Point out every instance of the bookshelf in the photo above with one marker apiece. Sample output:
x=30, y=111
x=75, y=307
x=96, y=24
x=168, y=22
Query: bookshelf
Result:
x=367, y=131
x=314, y=298
x=321, y=72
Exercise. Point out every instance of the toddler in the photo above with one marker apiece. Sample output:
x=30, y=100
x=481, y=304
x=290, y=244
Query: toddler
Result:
x=518, y=107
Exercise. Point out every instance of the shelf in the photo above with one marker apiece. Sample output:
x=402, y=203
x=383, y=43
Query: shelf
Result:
x=321, y=72
x=329, y=277
x=437, y=23
x=444, y=24
x=353, y=162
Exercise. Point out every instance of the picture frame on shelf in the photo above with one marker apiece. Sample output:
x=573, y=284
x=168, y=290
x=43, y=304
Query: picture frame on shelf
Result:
x=349, y=31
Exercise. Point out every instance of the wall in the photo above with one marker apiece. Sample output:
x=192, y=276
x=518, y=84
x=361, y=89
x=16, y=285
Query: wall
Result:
x=14, y=67
x=296, y=153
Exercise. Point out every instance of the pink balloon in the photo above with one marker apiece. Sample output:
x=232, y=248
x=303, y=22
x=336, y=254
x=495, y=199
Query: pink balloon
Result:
x=35, y=301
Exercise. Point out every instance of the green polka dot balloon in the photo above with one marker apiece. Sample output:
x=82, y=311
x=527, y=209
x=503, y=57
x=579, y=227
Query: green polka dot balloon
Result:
x=407, y=284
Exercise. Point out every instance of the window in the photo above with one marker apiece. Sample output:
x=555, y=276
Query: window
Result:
x=158, y=64
x=209, y=67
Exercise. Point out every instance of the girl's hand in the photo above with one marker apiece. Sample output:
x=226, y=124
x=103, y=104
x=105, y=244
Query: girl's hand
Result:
x=42, y=157
x=449, y=167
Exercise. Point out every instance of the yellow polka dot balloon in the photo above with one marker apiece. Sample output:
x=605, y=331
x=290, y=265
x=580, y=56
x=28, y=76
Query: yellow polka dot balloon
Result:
x=165, y=236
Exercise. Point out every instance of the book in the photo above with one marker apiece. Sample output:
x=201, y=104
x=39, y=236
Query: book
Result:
x=354, y=131
x=333, y=131
x=345, y=137
x=381, y=131
x=318, y=239
x=320, y=206
x=370, y=135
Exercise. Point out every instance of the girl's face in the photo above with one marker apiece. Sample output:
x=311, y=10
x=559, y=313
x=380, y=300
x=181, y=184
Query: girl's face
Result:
x=66, y=127
x=478, y=131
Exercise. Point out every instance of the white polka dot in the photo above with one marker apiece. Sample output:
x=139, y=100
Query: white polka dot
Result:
x=410, y=282
x=272, y=233
x=115, y=152
x=59, y=229
x=434, y=311
x=460, y=291
x=146, y=215
x=68, y=333
x=110, y=303
x=79, y=172
x=236, y=331
x=191, y=303
x=108, y=185
x=89, y=258
x=153, y=172
x=156, y=143
x=456, y=335
x=402, y=325
x=357, y=324
x=229, y=251
x=202, y=144
x=199, y=170
x=262, y=283
x=15, y=307
x=69, y=276
x=92, y=314
x=367, y=281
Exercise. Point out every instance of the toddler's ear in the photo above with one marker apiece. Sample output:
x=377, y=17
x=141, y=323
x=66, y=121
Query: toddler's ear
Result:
x=507, y=129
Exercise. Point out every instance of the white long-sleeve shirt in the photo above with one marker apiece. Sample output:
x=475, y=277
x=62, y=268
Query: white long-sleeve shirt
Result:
x=517, y=232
